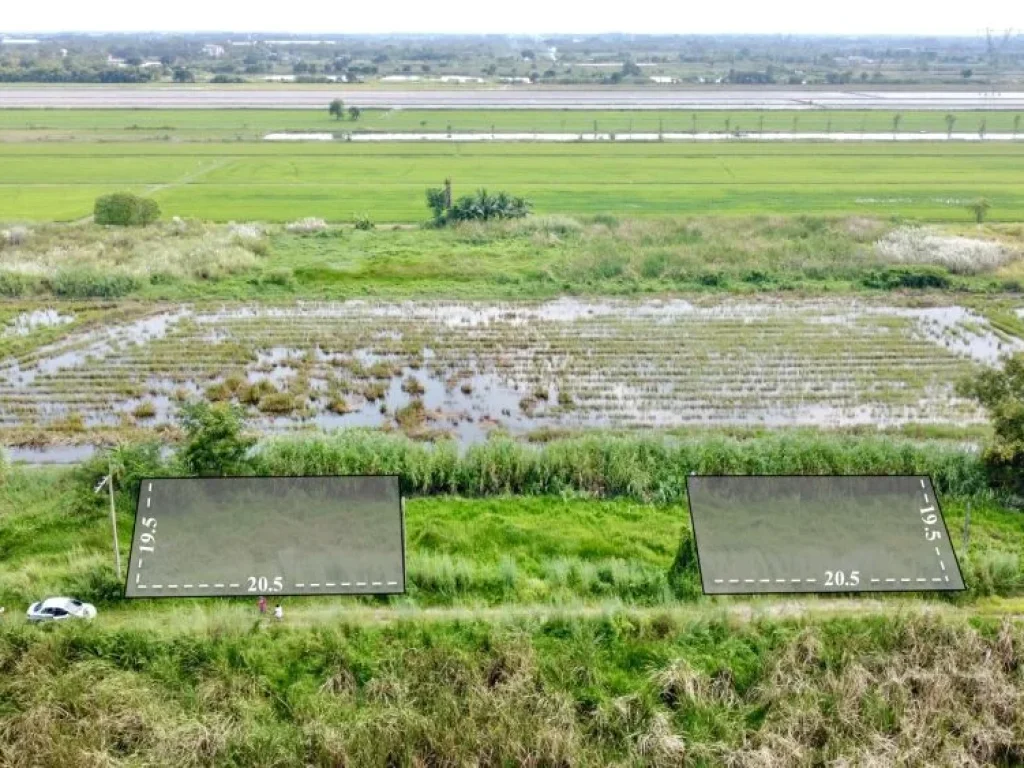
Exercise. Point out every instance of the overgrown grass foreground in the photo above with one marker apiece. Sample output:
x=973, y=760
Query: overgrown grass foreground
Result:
x=613, y=690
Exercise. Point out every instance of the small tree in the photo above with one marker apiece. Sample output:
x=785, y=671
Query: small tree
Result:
x=336, y=109
x=950, y=122
x=980, y=209
x=982, y=128
x=896, y=120
x=1001, y=393
x=354, y=112
x=214, y=443
x=125, y=210
x=1016, y=125
x=182, y=75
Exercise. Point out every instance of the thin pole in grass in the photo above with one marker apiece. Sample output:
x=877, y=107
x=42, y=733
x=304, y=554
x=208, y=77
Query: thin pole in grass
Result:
x=967, y=528
x=109, y=482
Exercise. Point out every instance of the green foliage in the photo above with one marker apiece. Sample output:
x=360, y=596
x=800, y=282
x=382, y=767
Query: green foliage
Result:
x=214, y=443
x=480, y=206
x=336, y=109
x=911, y=276
x=1001, y=392
x=125, y=210
x=602, y=465
x=363, y=222
x=980, y=208
x=86, y=283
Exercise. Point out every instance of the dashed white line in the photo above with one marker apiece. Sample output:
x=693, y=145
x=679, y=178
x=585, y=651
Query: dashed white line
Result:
x=765, y=581
x=904, y=580
x=377, y=584
x=148, y=499
x=734, y=581
x=142, y=586
x=300, y=584
x=314, y=584
x=936, y=578
x=890, y=580
x=187, y=586
x=172, y=586
x=158, y=586
x=922, y=482
x=926, y=499
x=392, y=583
x=921, y=579
x=811, y=581
x=234, y=585
x=875, y=581
x=330, y=584
x=942, y=564
x=204, y=586
x=137, y=578
x=219, y=585
x=360, y=583
x=937, y=552
x=748, y=581
x=346, y=583
x=780, y=581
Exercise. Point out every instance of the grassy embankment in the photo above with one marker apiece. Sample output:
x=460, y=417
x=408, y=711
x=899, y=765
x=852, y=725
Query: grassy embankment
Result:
x=59, y=181
x=538, y=258
x=589, y=659
x=198, y=125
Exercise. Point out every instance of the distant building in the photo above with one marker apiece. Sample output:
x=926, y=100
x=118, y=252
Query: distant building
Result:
x=213, y=51
x=18, y=41
x=460, y=79
x=113, y=61
x=664, y=79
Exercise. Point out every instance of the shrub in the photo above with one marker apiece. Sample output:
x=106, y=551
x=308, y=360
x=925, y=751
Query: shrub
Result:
x=1001, y=392
x=214, y=444
x=13, y=284
x=363, y=222
x=125, y=210
x=907, y=277
x=91, y=283
x=283, y=276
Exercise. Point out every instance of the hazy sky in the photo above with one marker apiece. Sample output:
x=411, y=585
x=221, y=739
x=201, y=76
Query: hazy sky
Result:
x=934, y=17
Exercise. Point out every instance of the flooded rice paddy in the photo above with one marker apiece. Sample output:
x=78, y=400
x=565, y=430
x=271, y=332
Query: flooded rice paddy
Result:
x=465, y=369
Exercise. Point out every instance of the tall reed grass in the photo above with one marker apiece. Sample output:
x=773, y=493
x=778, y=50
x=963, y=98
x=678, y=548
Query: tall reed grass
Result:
x=648, y=469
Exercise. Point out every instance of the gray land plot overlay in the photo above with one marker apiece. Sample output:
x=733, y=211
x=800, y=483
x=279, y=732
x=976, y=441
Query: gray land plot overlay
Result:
x=251, y=536
x=820, y=534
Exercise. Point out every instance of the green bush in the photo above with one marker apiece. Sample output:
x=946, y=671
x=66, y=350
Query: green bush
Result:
x=1001, y=392
x=90, y=283
x=14, y=284
x=125, y=210
x=918, y=276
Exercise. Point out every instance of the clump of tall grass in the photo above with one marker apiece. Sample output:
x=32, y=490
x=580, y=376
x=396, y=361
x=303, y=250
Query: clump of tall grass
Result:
x=308, y=225
x=88, y=260
x=637, y=467
x=961, y=255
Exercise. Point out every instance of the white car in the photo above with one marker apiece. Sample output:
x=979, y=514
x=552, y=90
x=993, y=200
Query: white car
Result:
x=59, y=609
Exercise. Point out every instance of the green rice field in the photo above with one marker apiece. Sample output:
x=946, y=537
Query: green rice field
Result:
x=248, y=124
x=249, y=181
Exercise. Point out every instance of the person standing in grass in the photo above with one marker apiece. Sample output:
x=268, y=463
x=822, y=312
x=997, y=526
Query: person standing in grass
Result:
x=262, y=604
x=278, y=612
